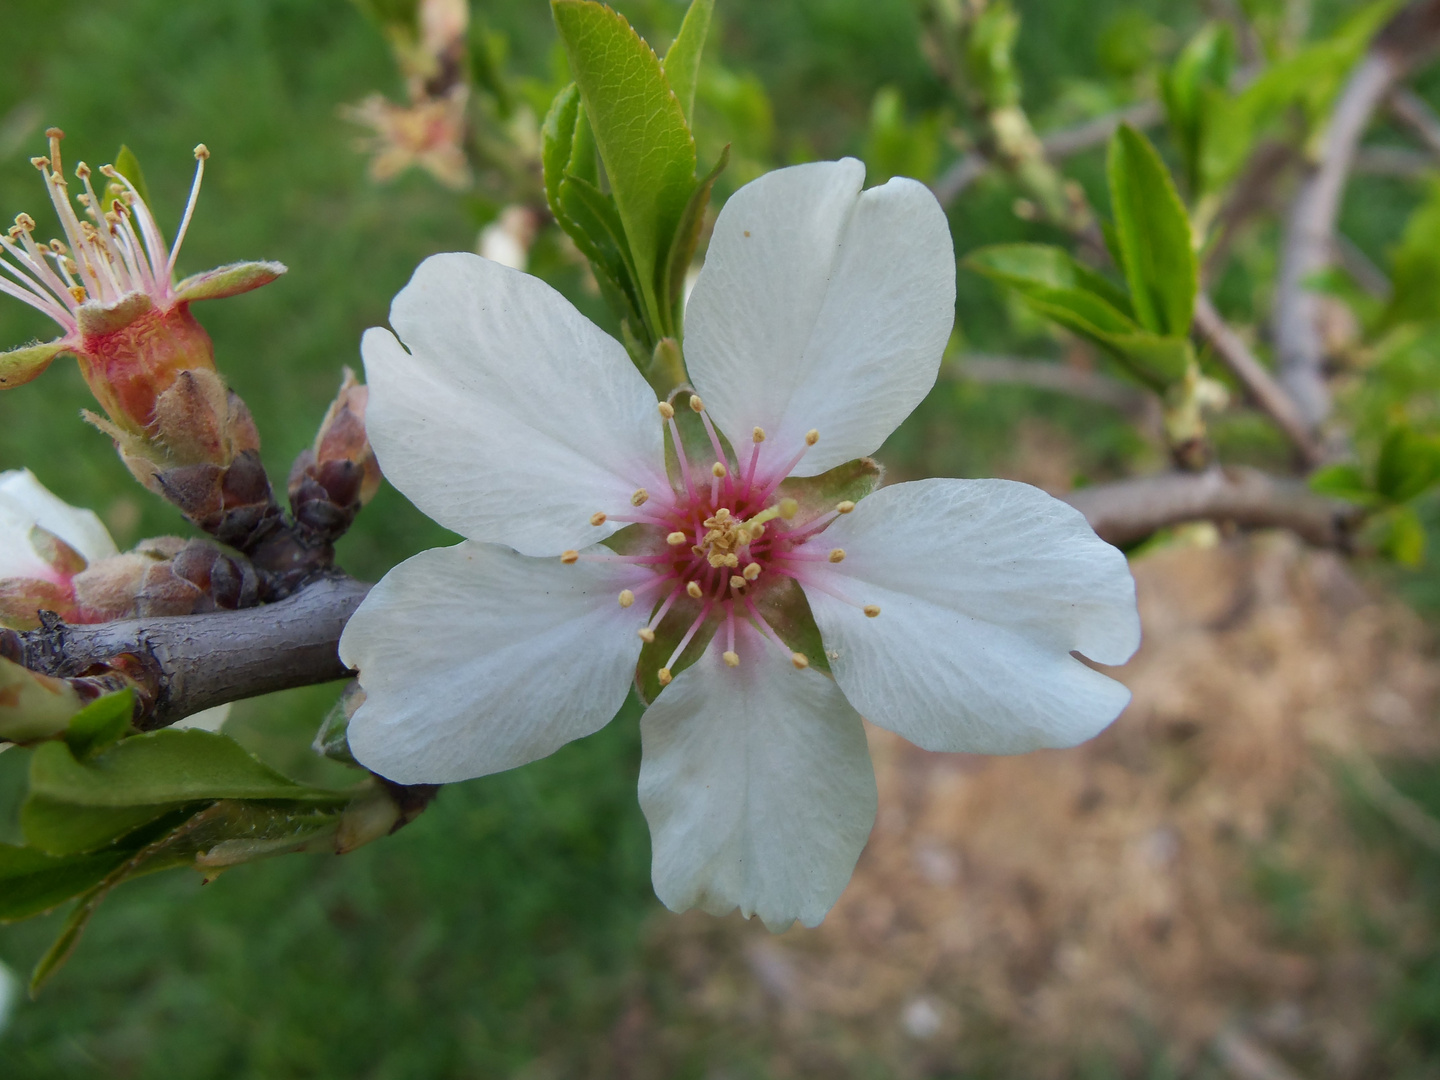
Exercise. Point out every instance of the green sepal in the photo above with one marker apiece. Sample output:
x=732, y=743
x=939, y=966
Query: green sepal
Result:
x=229, y=280
x=682, y=59
x=818, y=495
x=19, y=366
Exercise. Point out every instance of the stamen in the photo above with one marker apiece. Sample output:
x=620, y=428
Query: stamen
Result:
x=664, y=677
x=570, y=557
x=696, y=405
x=812, y=437
x=752, y=571
x=667, y=411
x=626, y=598
x=597, y=518
x=872, y=610
x=689, y=636
x=837, y=555
x=737, y=581
x=640, y=497
x=844, y=507
x=719, y=471
x=202, y=155
x=800, y=660
x=693, y=588
x=646, y=634
x=757, y=436
x=676, y=538
x=732, y=659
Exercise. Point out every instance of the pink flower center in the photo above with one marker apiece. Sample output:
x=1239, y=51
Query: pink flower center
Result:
x=722, y=537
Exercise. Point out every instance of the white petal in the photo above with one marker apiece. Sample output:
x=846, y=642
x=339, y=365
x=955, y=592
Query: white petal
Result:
x=474, y=659
x=207, y=719
x=512, y=418
x=80, y=528
x=984, y=588
x=24, y=503
x=821, y=307
x=757, y=784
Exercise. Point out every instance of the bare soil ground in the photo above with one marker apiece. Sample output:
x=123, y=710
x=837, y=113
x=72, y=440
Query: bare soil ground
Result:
x=1185, y=893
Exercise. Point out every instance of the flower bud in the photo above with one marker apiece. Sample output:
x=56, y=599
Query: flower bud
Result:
x=332, y=480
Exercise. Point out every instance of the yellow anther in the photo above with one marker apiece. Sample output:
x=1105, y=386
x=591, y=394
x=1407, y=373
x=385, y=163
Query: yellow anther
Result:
x=837, y=555
x=693, y=590
x=696, y=404
x=666, y=410
x=732, y=659
x=202, y=152
x=845, y=506
x=812, y=437
x=675, y=539
x=640, y=498
x=752, y=571
x=571, y=556
x=646, y=634
x=788, y=508
x=723, y=514
x=41, y=163
x=872, y=610
x=82, y=171
x=626, y=598
x=732, y=560
x=78, y=292
x=718, y=471
x=597, y=518
x=758, y=435
x=25, y=221
x=800, y=660
x=54, y=133
x=664, y=676
x=737, y=581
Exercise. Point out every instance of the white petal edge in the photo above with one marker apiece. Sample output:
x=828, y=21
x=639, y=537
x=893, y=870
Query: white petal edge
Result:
x=757, y=785
x=823, y=307
x=25, y=503
x=206, y=719
x=512, y=418
x=475, y=659
x=984, y=588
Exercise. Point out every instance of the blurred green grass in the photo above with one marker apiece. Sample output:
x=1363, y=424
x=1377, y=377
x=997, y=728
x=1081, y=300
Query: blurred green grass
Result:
x=506, y=925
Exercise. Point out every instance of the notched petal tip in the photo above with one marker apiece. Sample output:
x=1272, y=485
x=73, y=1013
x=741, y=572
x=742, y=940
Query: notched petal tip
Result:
x=231, y=280
x=19, y=366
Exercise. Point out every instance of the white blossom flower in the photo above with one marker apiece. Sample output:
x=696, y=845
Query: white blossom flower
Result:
x=26, y=503
x=950, y=611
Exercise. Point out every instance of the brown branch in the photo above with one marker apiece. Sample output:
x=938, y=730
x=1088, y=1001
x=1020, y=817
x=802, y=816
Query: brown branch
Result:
x=1128, y=511
x=1415, y=113
x=187, y=663
x=1258, y=382
x=1057, y=145
x=1405, y=41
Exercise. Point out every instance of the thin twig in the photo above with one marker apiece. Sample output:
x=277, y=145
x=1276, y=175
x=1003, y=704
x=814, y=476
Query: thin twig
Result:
x=1061, y=378
x=1258, y=381
x=1415, y=113
x=1057, y=146
x=1128, y=511
x=1309, y=230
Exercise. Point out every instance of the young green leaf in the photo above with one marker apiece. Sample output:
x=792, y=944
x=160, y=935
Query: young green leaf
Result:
x=687, y=236
x=128, y=166
x=1153, y=232
x=100, y=724
x=641, y=132
x=1343, y=481
x=1188, y=89
x=32, y=882
x=1409, y=464
x=682, y=61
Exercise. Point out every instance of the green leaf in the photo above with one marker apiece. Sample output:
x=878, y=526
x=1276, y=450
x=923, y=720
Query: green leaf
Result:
x=100, y=724
x=557, y=143
x=1202, y=69
x=487, y=52
x=32, y=882
x=62, y=828
x=1154, y=235
x=1409, y=464
x=1343, y=481
x=682, y=61
x=1402, y=536
x=642, y=135
x=1042, y=264
x=687, y=236
x=128, y=166
x=166, y=766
